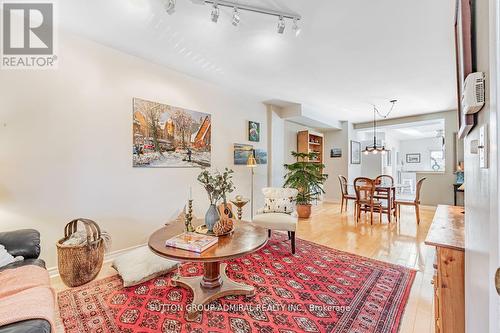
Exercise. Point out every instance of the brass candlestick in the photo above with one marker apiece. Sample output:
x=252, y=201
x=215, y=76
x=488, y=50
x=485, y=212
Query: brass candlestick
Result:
x=189, y=217
x=240, y=202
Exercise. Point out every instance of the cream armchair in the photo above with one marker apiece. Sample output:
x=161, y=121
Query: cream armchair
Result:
x=279, y=213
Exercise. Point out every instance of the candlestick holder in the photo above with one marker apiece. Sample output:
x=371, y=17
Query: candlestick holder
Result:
x=189, y=217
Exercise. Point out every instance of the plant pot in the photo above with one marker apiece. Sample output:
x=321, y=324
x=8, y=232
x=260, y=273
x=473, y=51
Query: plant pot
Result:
x=304, y=211
x=211, y=217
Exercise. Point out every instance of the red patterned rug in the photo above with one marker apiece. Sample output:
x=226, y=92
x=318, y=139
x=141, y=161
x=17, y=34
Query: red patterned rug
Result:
x=316, y=290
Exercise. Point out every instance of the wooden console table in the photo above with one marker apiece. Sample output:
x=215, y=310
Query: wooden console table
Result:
x=447, y=235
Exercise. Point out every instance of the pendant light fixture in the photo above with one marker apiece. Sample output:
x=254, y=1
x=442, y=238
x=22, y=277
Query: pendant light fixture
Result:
x=375, y=148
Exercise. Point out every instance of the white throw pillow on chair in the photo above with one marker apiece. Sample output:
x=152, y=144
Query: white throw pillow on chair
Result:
x=279, y=205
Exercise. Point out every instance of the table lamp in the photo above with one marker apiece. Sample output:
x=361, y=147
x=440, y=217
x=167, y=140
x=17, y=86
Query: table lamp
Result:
x=251, y=163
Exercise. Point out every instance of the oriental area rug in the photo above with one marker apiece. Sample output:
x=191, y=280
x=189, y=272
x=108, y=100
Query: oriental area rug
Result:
x=318, y=289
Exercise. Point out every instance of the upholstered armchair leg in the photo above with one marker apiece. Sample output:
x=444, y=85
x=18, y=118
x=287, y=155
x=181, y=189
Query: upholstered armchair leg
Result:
x=289, y=235
x=293, y=241
x=269, y=233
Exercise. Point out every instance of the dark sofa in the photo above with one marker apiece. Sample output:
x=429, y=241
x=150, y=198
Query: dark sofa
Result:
x=24, y=243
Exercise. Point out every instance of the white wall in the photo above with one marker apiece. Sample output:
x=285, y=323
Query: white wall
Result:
x=423, y=147
x=276, y=144
x=338, y=165
x=66, y=144
x=482, y=304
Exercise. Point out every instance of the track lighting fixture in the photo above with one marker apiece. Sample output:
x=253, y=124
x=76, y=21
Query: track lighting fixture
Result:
x=281, y=25
x=236, y=17
x=170, y=7
x=296, y=27
x=237, y=7
x=215, y=13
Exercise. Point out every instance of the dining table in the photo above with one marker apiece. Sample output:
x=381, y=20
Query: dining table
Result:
x=386, y=192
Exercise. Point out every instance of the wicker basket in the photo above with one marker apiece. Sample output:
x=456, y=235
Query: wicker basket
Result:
x=80, y=264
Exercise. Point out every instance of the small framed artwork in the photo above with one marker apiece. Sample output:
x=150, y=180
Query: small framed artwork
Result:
x=413, y=158
x=355, y=152
x=253, y=131
x=336, y=152
x=241, y=153
x=261, y=156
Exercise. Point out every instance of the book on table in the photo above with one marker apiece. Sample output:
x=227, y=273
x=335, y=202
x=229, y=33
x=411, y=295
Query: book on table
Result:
x=192, y=241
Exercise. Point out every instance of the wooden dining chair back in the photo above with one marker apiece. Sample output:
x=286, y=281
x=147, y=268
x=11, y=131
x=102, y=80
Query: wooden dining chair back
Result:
x=419, y=188
x=415, y=203
x=365, y=198
x=343, y=185
x=345, y=193
x=385, y=180
x=365, y=189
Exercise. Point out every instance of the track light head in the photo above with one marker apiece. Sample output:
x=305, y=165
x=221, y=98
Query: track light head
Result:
x=215, y=13
x=236, y=17
x=281, y=25
x=170, y=7
x=296, y=27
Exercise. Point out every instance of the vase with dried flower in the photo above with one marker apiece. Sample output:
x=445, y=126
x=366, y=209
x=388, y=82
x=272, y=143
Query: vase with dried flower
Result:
x=217, y=185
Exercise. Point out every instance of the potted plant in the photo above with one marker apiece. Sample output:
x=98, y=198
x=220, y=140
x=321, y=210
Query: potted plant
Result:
x=217, y=186
x=307, y=177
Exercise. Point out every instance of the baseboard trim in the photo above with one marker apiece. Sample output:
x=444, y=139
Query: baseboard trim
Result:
x=108, y=257
x=334, y=201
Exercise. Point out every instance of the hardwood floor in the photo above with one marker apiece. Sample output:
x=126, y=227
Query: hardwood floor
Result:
x=401, y=244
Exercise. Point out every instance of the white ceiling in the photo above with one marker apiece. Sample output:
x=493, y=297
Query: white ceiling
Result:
x=350, y=53
x=409, y=131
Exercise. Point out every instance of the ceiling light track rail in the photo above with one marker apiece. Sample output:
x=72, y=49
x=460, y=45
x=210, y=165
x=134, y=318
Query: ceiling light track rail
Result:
x=239, y=6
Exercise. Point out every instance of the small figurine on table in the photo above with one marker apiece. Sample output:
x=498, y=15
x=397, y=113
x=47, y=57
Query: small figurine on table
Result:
x=239, y=202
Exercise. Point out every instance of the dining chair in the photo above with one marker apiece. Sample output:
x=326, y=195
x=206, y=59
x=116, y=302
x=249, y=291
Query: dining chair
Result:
x=415, y=203
x=345, y=193
x=384, y=180
x=365, y=198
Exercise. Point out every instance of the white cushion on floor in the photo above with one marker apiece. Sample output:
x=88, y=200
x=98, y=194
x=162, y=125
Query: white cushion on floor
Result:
x=276, y=221
x=141, y=265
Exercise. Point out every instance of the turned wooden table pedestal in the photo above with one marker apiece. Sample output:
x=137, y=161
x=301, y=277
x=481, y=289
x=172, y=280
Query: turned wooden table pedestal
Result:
x=214, y=283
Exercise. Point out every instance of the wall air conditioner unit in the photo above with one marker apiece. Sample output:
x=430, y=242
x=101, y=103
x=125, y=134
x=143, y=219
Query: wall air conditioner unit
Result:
x=473, y=94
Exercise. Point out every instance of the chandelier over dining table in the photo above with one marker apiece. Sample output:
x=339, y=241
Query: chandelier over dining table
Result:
x=376, y=148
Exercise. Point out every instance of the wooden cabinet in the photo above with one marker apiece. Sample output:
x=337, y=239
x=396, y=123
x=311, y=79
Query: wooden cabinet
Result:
x=447, y=235
x=308, y=141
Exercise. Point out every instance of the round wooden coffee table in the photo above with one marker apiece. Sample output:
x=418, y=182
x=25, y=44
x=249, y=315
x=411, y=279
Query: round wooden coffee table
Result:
x=214, y=283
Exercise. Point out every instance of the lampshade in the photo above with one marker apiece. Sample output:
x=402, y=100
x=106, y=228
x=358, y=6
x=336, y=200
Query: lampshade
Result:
x=251, y=162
